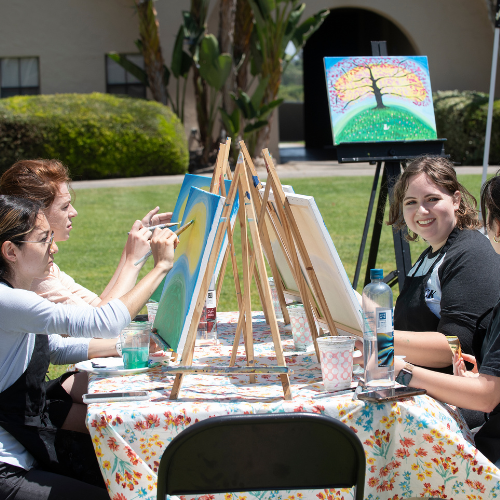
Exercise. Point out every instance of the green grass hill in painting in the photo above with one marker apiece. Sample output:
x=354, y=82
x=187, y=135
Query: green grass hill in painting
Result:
x=388, y=124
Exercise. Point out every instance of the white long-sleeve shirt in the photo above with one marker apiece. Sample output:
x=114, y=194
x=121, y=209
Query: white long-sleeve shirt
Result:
x=23, y=314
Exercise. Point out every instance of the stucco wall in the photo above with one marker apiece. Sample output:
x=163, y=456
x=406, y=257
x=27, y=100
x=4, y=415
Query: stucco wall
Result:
x=71, y=37
x=456, y=35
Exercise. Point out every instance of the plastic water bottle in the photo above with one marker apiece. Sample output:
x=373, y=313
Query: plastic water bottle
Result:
x=378, y=332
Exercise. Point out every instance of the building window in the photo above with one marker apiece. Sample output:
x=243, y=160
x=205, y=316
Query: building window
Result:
x=19, y=76
x=120, y=81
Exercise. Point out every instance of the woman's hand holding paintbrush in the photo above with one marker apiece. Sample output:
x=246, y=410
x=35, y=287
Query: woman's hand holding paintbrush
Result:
x=178, y=232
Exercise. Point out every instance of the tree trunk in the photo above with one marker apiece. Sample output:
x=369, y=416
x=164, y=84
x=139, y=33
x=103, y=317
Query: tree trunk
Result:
x=226, y=35
x=264, y=134
x=201, y=97
x=378, y=97
x=151, y=49
x=376, y=91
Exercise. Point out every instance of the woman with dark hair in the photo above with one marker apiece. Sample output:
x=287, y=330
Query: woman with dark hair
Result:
x=48, y=182
x=42, y=426
x=451, y=289
x=478, y=389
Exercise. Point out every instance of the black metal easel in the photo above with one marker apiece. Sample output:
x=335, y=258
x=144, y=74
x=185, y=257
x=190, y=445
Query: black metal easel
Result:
x=393, y=155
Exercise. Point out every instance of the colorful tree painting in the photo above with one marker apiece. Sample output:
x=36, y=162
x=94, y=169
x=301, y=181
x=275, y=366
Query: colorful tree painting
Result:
x=380, y=98
x=376, y=77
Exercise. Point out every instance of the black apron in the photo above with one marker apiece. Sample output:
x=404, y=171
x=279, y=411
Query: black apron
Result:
x=33, y=411
x=412, y=312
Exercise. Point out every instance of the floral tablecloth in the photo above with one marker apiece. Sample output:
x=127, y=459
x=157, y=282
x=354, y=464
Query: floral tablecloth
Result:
x=416, y=447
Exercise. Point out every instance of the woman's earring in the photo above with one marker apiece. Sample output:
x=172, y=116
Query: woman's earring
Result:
x=495, y=240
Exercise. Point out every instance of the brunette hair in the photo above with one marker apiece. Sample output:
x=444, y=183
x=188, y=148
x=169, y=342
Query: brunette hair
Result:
x=36, y=180
x=490, y=200
x=441, y=171
x=17, y=218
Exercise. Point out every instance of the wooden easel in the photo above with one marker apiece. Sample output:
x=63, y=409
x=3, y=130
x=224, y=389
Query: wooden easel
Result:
x=283, y=233
x=224, y=170
x=302, y=250
x=246, y=214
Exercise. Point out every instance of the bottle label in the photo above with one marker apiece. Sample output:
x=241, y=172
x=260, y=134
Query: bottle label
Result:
x=385, y=336
x=211, y=306
x=211, y=299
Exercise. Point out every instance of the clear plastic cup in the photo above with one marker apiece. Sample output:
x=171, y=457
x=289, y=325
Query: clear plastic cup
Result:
x=152, y=307
x=301, y=333
x=135, y=344
x=276, y=300
x=336, y=362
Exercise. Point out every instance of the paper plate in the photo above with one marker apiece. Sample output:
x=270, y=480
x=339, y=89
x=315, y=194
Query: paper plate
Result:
x=112, y=366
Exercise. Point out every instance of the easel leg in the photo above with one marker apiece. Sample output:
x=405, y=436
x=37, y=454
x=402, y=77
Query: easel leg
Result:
x=280, y=358
x=246, y=281
x=401, y=245
x=377, y=228
x=367, y=226
x=256, y=277
x=222, y=273
x=174, y=394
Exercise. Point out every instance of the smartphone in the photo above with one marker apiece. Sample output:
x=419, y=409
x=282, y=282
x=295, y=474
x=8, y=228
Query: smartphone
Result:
x=110, y=397
x=390, y=394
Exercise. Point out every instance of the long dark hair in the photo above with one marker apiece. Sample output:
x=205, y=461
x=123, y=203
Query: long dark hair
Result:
x=490, y=200
x=17, y=218
x=441, y=171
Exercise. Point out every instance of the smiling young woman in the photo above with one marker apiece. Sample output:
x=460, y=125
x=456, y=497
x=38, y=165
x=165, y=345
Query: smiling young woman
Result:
x=451, y=289
x=478, y=389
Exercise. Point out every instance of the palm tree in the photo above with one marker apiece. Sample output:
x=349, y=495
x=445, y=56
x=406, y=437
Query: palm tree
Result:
x=150, y=47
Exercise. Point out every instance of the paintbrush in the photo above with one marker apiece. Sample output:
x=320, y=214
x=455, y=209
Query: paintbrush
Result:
x=178, y=232
x=162, y=226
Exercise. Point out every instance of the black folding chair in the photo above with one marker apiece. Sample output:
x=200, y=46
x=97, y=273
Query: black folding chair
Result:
x=277, y=451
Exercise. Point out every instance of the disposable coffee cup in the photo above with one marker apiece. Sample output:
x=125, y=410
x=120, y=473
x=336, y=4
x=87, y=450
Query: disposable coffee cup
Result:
x=275, y=300
x=135, y=345
x=152, y=307
x=336, y=362
x=301, y=332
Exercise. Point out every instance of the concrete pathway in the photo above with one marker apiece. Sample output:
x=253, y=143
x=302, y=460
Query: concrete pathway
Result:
x=290, y=170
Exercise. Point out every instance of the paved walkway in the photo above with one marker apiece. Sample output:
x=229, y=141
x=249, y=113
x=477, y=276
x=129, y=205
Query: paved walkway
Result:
x=288, y=170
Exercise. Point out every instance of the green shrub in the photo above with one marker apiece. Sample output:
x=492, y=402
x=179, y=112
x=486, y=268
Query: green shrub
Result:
x=461, y=119
x=96, y=135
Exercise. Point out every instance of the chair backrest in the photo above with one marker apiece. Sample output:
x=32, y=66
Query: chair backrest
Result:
x=278, y=451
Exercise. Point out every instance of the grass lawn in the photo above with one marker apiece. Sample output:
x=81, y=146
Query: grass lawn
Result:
x=92, y=253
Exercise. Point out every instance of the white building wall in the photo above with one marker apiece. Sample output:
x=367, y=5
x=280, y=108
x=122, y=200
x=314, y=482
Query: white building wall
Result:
x=71, y=38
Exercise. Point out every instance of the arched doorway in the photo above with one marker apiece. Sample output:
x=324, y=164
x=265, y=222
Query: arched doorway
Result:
x=345, y=32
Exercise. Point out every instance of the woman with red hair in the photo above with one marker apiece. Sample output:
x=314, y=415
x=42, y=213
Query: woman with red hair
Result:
x=48, y=182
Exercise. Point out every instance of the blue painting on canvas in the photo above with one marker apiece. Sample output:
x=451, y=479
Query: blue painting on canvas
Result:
x=182, y=284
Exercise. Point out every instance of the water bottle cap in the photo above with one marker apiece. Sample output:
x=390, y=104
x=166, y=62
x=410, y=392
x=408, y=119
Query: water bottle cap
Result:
x=376, y=274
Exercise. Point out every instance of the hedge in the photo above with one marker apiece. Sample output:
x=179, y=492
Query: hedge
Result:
x=96, y=135
x=461, y=119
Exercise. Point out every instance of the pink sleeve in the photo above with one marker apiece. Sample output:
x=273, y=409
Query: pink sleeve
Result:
x=60, y=288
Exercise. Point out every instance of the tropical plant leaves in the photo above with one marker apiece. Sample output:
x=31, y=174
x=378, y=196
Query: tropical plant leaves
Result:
x=129, y=66
x=214, y=66
x=181, y=61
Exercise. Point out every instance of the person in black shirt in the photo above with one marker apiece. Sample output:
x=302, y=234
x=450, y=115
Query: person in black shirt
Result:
x=478, y=389
x=451, y=289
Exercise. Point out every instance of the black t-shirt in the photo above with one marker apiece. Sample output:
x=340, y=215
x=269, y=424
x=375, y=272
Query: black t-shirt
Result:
x=488, y=355
x=488, y=359
x=470, y=288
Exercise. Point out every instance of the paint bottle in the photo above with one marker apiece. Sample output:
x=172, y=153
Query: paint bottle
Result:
x=378, y=332
x=207, y=329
